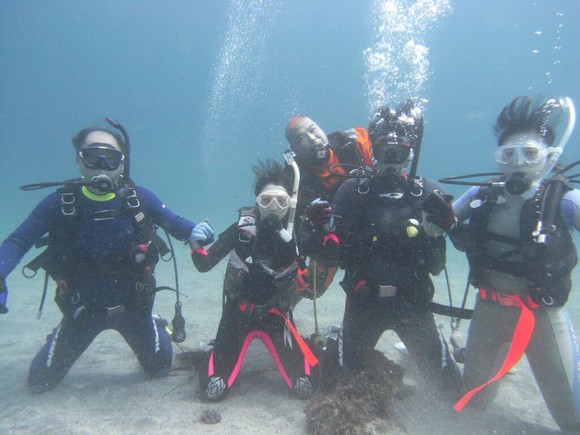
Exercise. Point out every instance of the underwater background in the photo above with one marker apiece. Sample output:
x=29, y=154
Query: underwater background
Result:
x=205, y=88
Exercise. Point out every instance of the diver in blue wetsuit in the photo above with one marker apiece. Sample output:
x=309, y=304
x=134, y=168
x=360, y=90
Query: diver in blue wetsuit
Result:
x=515, y=231
x=102, y=251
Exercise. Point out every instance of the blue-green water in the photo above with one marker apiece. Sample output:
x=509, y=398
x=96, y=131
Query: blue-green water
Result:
x=206, y=87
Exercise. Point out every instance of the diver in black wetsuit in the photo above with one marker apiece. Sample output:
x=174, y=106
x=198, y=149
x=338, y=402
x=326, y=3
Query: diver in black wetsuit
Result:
x=259, y=288
x=389, y=248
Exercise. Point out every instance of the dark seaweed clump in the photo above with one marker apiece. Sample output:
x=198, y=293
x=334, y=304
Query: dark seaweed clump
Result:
x=349, y=402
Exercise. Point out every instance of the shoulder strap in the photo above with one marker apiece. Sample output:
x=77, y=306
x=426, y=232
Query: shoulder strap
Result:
x=133, y=206
x=550, y=200
x=67, y=195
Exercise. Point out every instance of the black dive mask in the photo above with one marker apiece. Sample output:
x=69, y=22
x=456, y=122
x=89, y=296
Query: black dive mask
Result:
x=101, y=156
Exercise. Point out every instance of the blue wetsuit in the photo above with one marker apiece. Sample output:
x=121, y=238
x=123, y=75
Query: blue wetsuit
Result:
x=101, y=286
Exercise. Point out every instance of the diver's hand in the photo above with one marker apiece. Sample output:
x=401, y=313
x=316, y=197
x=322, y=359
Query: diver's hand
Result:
x=271, y=223
x=321, y=214
x=202, y=234
x=438, y=210
x=3, y=296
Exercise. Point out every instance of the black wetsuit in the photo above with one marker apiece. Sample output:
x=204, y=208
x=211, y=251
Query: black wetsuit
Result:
x=387, y=267
x=259, y=287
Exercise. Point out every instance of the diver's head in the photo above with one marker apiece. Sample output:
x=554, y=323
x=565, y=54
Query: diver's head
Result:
x=395, y=136
x=525, y=134
x=307, y=140
x=273, y=188
x=100, y=156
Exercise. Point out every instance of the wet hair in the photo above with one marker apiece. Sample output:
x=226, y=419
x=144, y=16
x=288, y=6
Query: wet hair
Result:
x=524, y=114
x=271, y=172
x=80, y=138
x=404, y=122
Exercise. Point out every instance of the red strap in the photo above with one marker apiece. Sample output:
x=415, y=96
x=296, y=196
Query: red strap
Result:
x=301, y=280
x=312, y=360
x=200, y=251
x=521, y=338
x=331, y=237
x=359, y=285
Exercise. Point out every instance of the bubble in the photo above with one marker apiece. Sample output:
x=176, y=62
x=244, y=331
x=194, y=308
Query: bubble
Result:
x=240, y=57
x=397, y=63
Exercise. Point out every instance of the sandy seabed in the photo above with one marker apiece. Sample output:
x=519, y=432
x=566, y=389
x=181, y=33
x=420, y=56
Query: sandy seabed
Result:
x=107, y=392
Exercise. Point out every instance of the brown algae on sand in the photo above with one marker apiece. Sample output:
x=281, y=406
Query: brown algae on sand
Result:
x=347, y=404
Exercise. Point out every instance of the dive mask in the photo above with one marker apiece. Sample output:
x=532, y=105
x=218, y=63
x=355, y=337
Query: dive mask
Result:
x=273, y=201
x=101, y=156
x=527, y=152
x=392, y=150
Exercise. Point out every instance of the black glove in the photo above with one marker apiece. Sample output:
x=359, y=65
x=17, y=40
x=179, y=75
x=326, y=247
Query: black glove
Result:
x=3, y=296
x=270, y=224
x=439, y=210
x=320, y=213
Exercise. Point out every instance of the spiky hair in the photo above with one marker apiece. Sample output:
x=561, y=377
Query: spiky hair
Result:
x=524, y=114
x=271, y=172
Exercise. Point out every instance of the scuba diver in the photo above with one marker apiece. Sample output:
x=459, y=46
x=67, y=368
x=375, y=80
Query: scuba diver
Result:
x=516, y=232
x=259, y=288
x=391, y=227
x=315, y=153
x=324, y=162
x=102, y=251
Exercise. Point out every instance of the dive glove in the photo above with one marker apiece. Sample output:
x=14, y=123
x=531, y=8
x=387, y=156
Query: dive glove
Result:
x=202, y=234
x=321, y=214
x=439, y=211
x=3, y=296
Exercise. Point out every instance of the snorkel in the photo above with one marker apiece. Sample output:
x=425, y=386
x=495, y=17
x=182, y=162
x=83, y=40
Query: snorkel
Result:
x=415, y=162
x=116, y=124
x=286, y=234
x=567, y=105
